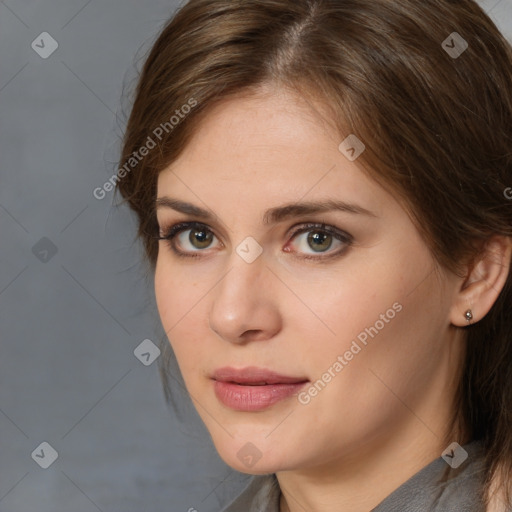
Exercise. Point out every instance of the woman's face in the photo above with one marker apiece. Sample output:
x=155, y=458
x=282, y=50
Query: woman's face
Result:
x=343, y=302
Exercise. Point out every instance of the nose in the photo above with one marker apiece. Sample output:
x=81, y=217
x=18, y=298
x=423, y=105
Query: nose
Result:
x=244, y=306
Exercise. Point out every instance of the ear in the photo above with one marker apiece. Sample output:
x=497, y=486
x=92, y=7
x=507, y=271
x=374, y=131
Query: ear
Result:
x=482, y=285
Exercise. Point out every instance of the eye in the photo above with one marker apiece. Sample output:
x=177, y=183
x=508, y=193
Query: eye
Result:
x=189, y=239
x=320, y=238
x=197, y=235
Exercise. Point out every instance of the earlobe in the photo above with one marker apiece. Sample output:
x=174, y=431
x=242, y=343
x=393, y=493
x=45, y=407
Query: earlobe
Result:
x=483, y=284
x=468, y=315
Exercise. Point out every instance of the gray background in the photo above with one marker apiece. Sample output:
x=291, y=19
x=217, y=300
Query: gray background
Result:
x=70, y=321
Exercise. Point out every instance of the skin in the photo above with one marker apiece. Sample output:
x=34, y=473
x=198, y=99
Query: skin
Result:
x=384, y=416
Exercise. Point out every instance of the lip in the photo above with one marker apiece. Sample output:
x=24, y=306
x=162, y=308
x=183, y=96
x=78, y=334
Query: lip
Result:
x=253, y=375
x=252, y=388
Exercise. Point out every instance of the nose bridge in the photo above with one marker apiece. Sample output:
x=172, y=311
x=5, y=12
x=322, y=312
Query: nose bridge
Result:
x=238, y=288
x=241, y=302
x=246, y=267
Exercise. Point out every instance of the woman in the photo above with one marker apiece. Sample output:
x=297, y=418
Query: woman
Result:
x=322, y=189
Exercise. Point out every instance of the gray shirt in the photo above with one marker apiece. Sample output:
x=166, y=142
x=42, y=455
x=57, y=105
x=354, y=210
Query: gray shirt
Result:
x=421, y=493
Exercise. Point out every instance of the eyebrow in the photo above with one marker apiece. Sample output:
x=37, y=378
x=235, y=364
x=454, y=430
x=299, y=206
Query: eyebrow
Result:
x=273, y=215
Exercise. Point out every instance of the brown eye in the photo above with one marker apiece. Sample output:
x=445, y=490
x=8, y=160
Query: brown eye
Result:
x=319, y=241
x=202, y=237
x=199, y=238
x=320, y=238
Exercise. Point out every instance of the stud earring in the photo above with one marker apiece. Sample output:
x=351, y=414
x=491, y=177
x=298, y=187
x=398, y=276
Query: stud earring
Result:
x=468, y=315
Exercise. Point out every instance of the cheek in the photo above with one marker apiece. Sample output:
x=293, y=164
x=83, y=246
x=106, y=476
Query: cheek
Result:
x=165, y=293
x=389, y=333
x=342, y=305
x=176, y=290
x=181, y=302
x=383, y=364
x=379, y=315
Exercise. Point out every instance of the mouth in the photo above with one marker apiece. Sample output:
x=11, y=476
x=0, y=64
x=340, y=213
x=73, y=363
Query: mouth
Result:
x=253, y=389
x=254, y=376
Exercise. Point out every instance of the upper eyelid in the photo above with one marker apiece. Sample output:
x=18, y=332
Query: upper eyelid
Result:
x=297, y=229
x=168, y=226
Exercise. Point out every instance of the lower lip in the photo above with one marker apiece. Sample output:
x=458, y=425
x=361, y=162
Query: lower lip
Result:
x=253, y=398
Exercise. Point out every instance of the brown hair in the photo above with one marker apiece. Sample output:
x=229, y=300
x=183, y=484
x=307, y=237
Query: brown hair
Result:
x=437, y=129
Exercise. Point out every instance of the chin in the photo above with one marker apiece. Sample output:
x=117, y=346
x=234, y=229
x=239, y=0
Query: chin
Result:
x=259, y=468
x=249, y=457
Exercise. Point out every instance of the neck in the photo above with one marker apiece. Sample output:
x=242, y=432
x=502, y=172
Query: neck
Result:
x=359, y=481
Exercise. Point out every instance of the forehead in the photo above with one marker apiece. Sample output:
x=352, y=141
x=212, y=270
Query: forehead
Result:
x=268, y=122
x=273, y=147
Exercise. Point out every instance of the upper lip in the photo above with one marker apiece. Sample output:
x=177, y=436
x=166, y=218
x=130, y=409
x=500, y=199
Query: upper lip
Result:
x=254, y=375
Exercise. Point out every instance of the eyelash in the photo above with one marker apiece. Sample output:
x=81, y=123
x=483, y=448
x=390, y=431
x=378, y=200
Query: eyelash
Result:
x=169, y=234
